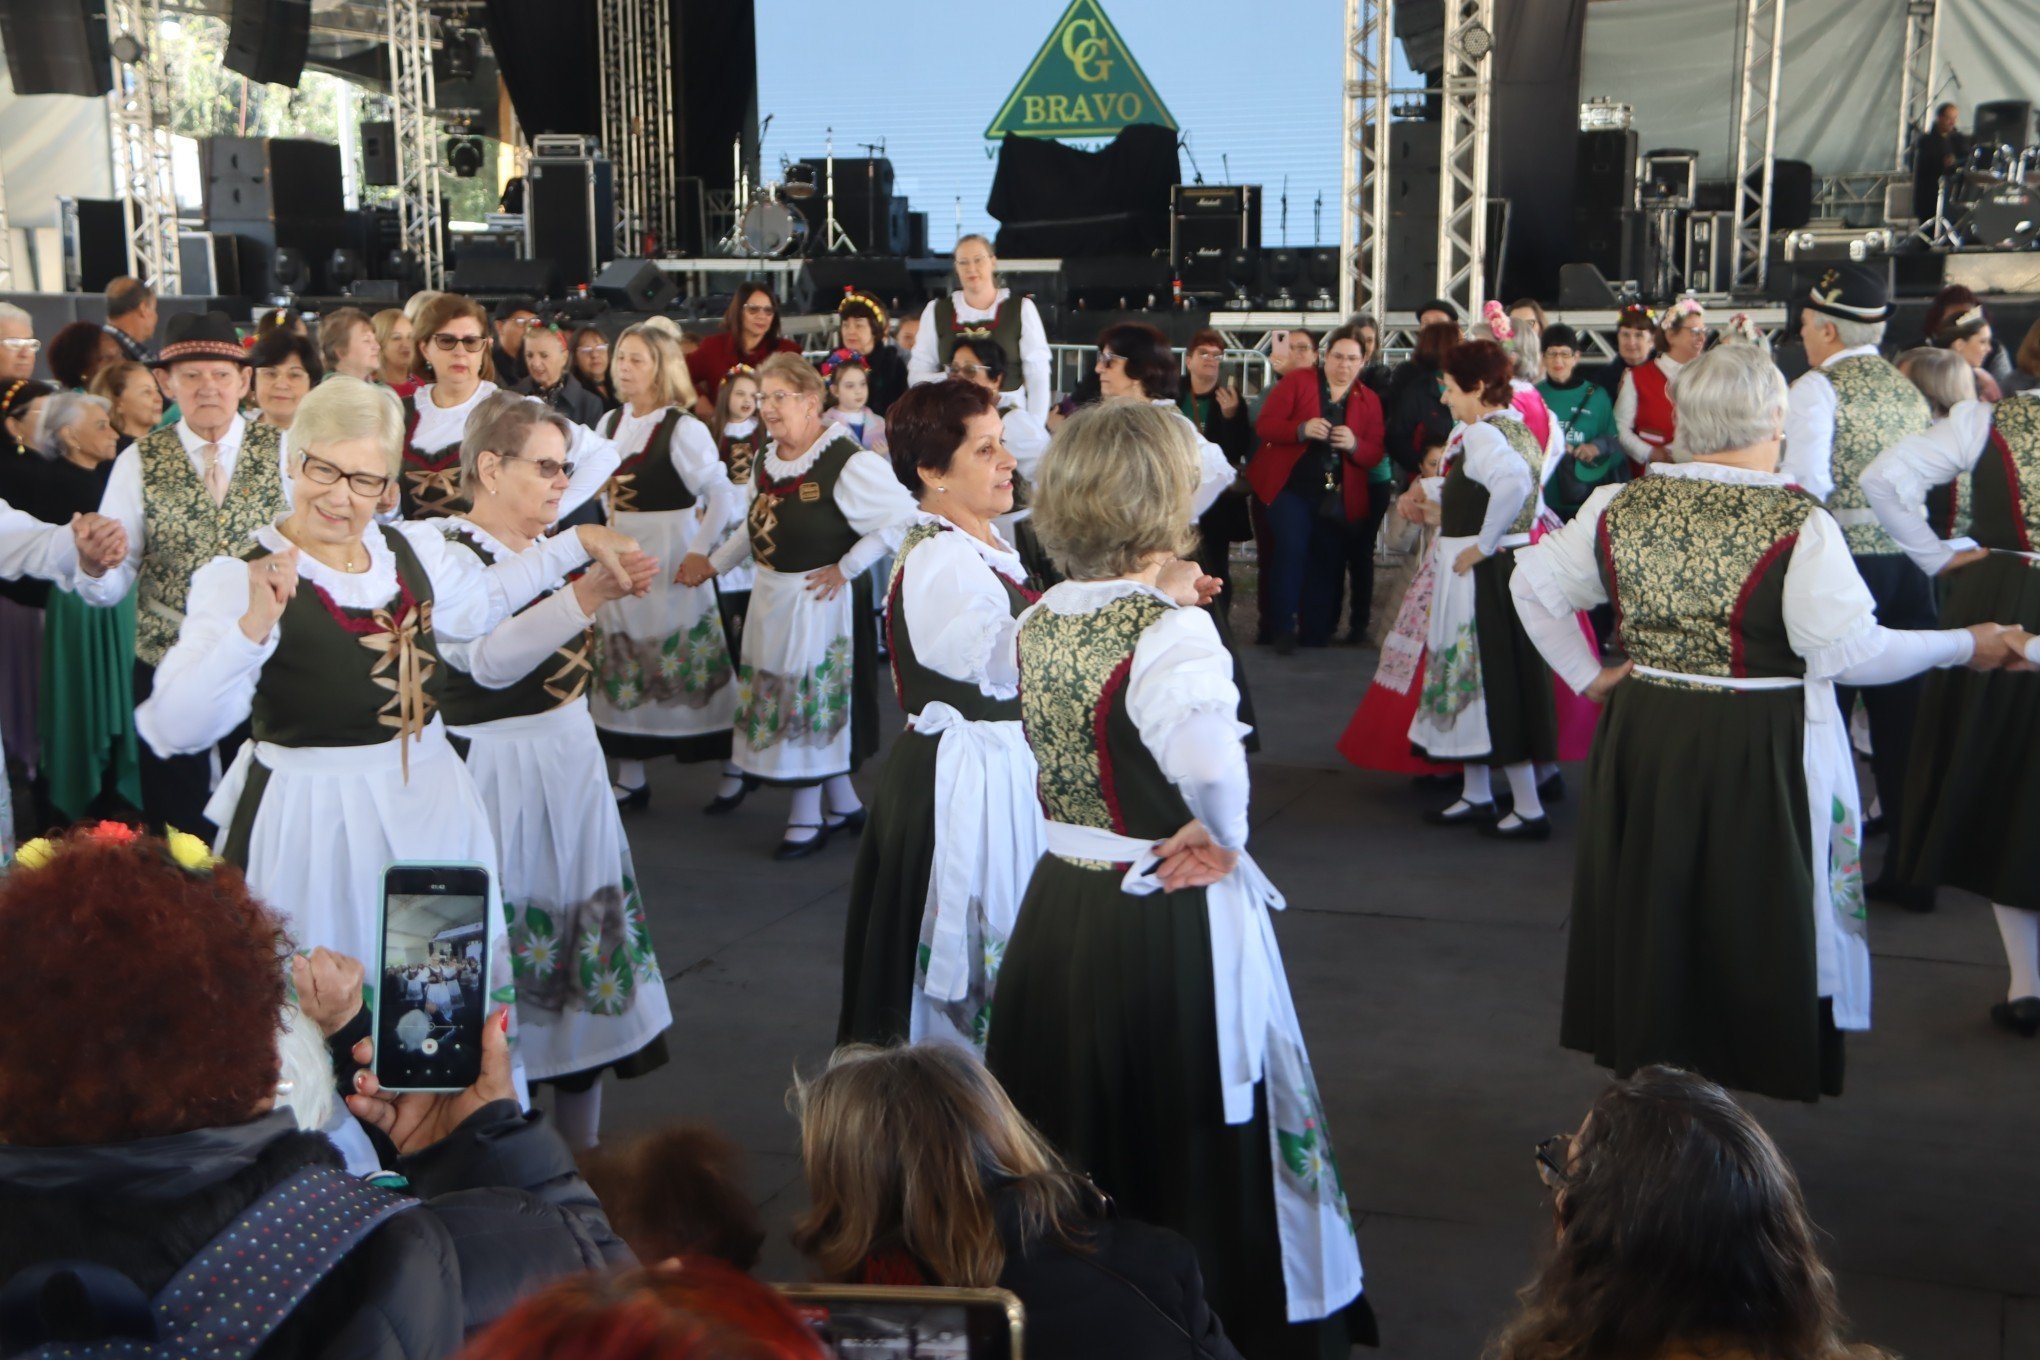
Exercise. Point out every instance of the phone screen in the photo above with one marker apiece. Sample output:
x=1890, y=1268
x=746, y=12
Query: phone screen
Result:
x=876, y=1323
x=432, y=988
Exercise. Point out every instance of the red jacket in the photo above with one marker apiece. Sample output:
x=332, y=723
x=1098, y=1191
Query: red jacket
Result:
x=1293, y=401
x=717, y=354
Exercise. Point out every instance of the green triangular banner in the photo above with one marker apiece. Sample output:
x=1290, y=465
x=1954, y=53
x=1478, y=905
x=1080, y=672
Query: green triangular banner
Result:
x=1082, y=83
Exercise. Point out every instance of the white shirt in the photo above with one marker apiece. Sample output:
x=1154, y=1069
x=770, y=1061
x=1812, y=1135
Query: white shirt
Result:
x=1026, y=437
x=925, y=363
x=958, y=616
x=1638, y=448
x=1810, y=427
x=1830, y=619
x=1896, y=485
x=1182, y=699
x=594, y=458
x=123, y=501
x=205, y=686
x=1492, y=461
x=523, y=642
x=30, y=547
x=693, y=455
x=867, y=493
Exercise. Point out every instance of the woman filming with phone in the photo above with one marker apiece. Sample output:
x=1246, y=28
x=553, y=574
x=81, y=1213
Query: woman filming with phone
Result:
x=325, y=636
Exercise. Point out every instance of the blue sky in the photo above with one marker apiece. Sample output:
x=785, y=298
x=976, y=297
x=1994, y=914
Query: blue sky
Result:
x=1256, y=86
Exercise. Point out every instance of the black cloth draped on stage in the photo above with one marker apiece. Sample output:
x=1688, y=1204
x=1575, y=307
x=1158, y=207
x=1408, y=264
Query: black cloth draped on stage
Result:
x=1056, y=201
x=547, y=54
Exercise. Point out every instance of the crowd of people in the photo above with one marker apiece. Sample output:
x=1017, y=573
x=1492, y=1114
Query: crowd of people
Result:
x=440, y=585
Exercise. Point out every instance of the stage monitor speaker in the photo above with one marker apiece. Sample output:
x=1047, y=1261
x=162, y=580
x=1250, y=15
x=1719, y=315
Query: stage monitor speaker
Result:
x=570, y=214
x=634, y=286
x=2005, y=122
x=57, y=46
x=379, y=154
x=1583, y=288
x=94, y=235
x=917, y=235
x=1604, y=172
x=267, y=40
x=1791, y=193
x=884, y=277
x=497, y=279
x=209, y=264
x=271, y=179
x=1121, y=283
x=385, y=291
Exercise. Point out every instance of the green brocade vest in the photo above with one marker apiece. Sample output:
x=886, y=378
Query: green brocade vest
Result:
x=1696, y=572
x=352, y=677
x=794, y=524
x=1875, y=407
x=1095, y=769
x=560, y=679
x=1463, y=502
x=2004, y=486
x=917, y=685
x=646, y=482
x=184, y=530
x=1003, y=325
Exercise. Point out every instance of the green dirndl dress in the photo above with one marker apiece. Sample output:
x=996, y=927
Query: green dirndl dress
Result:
x=1972, y=785
x=87, y=723
x=1107, y=1017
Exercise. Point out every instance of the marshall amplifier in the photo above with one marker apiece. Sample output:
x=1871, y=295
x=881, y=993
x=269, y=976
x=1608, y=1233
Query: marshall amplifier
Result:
x=1208, y=224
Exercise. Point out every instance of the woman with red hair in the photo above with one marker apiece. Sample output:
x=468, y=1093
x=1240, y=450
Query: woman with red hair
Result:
x=1486, y=699
x=694, y=1308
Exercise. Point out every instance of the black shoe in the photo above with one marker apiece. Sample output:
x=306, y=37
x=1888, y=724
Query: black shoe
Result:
x=1285, y=644
x=852, y=822
x=1552, y=790
x=1525, y=829
x=730, y=802
x=1888, y=889
x=792, y=850
x=631, y=800
x=1462, y=813
x=2022, y=1017
x=1873, y=826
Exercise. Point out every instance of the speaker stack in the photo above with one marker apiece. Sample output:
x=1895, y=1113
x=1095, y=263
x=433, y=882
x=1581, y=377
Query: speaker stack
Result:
x=276, y=194
x=569, y=208
x=1605, y=228
x=876, y=219
x=1209, y=224
x=267, y=40
x=57, y=46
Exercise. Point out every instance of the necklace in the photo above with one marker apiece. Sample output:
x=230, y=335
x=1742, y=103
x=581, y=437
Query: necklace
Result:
x=347, y=565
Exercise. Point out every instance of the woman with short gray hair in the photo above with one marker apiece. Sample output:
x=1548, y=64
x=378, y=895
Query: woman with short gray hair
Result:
x=589, y=998
x=1718, y=904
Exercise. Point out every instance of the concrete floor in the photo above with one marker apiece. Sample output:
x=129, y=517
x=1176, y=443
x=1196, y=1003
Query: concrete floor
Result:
x=1427, y=966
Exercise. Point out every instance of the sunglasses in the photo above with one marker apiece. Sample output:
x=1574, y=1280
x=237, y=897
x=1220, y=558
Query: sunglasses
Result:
x=547, y=468
x=1106, y=358
x=967, y=370
x=327, y=474
x=447, y=344
x=597, y=348
x=759, y=309
x=1552, y=1155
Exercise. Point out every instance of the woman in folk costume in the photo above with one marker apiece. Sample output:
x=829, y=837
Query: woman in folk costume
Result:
x=452, y=360
x=1718, y=919
x=956, y=828
x=590, y=996
x=326, y=634
x=665, y=682
x=1143, y=1021
x=1972, y=797
x=1645, y=419
x=738, y=436
x=1486, y=698
x=821, y=511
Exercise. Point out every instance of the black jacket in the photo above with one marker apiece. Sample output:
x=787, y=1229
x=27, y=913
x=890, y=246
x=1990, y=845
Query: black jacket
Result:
x=1137, y=1294
x=1413, y=415
x=505, y=1211
x=570, y=399
x=888, y=378
x=1226, y=521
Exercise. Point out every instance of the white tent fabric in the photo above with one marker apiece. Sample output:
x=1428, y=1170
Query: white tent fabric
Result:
x=51, y=145
x=1838, y=83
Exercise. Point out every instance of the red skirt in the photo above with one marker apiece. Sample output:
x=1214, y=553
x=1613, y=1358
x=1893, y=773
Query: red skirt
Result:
x=1378, y=737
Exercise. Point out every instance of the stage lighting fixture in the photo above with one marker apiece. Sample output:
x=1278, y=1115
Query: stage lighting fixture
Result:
x=464, y=155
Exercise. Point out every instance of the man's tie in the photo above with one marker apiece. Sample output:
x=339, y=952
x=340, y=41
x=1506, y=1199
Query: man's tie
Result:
x=215, y=474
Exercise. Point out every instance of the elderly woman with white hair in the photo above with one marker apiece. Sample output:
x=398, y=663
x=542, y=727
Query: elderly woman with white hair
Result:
x=325, y=634
x=86, y=718
x=1718, y=917
x=590, y=996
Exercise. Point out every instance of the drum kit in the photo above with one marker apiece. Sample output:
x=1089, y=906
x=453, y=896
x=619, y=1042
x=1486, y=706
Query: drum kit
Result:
x=1998, y=195
x=769, y=223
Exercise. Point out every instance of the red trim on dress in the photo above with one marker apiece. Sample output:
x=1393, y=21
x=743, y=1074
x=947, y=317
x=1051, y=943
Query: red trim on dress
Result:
x=892, y=646
x=1997, y=441
x=1737, y=666
x=364, y=624
x=1100, y=740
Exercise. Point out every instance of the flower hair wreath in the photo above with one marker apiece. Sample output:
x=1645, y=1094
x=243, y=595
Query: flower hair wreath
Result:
x=185, y=850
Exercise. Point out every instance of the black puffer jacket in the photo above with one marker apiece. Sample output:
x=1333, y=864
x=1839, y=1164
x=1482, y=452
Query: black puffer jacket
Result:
x=504, y=1212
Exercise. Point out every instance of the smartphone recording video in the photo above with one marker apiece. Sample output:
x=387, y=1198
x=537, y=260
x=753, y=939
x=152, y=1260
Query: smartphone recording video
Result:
x=871, y=1322
x=433, y=986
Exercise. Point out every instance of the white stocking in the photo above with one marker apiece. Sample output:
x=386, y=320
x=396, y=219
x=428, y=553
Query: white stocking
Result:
x=2021, y=931
x=1523, y=788
x=804, y=814
x=840, y=795
x=630, y=774
x=1476, y=785
x=578, y=1116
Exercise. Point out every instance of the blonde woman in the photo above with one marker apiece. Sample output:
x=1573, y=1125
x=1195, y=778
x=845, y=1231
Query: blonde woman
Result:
x=920, y=1170
x=664, y=678
x=1144, y=938
x=590, y=996
x=397, y=353
x=821, y=511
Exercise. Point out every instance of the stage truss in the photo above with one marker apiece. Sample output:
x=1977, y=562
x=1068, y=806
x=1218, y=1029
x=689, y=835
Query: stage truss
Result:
x=639, y=127
x=1756, y=138
x=413, y=104
x=1363, y=166
x=140, y=108
x=1463, y=156
x=1918, y=60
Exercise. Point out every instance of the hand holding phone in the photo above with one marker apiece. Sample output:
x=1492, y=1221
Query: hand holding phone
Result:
x=418, y=1119
x=432, y=978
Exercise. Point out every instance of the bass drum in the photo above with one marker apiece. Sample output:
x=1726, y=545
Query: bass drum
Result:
x=771, y=229
x=2006, y=219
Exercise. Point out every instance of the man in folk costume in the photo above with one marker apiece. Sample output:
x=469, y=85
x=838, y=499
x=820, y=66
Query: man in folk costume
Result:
x=1849, y=407
x=981, y=310
x=186, y=494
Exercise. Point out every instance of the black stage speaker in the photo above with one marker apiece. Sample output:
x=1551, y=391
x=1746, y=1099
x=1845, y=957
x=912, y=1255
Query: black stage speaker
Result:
x=498, y=278
x=209, y=264
x=634, y=286
x=267, y=40
x=885, y=277
x=379, y=154
x=2005, y=122
x=570, y=214
x=271, y=178
x=1605, y=225
x=1207, y=224
x=1582, y=288
x=1116, y=283
x=1791, y=193
x=94, y=235
x=57, y=46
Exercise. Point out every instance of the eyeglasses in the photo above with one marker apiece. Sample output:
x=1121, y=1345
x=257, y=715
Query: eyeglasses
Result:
x=597, y=348
x=759, y=309
x=1106, y=358
x=326, y=474
x=1206, y=352
x=967, y=370
x=447, y=344
x=774, y=398
x=546, y=468
x=1552, y=1155
x=30, y=345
